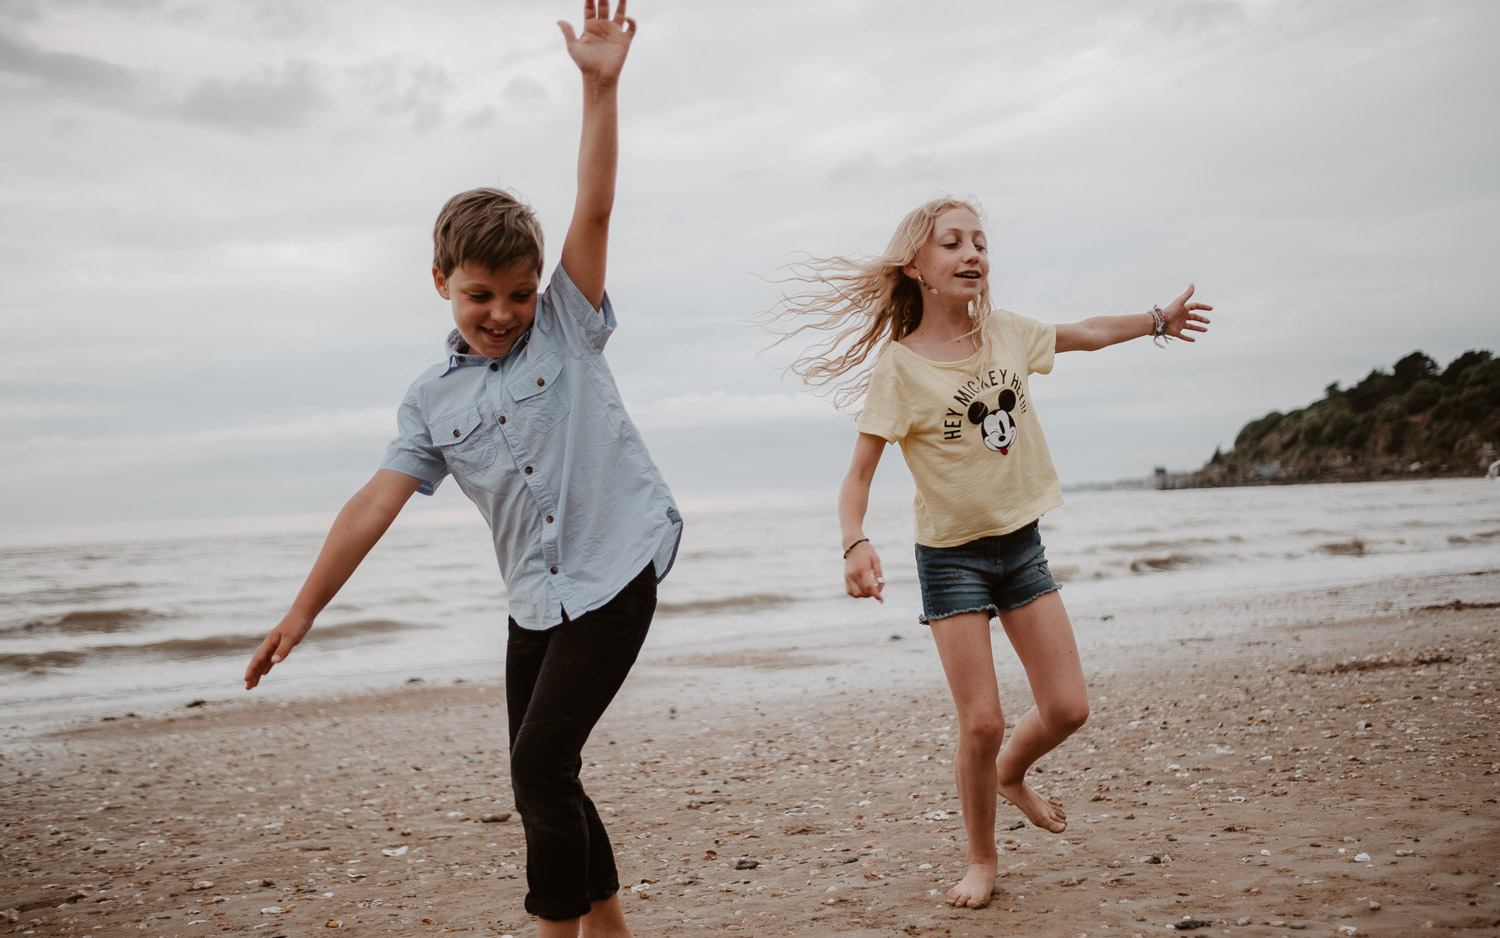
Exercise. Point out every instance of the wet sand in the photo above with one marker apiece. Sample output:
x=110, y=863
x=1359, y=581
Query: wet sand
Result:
x=1322, y=762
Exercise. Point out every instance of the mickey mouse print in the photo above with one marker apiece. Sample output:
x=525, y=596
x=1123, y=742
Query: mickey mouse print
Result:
x=997, y=425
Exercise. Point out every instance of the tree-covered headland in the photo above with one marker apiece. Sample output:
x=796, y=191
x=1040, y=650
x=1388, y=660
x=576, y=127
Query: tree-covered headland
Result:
x=1417, y=420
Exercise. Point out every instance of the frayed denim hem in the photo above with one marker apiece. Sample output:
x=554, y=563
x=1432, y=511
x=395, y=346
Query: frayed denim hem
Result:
x=992, y=609
x=1039, y=595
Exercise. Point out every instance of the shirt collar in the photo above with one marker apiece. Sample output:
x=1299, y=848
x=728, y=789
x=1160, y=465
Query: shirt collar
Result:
x=459, y=355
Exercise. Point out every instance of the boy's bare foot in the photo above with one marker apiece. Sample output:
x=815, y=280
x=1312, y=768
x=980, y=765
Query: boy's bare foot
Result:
x=1043, y=812
x=973, y=891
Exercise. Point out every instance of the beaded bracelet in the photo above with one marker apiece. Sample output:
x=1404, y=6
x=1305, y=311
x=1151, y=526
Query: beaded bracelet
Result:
x=863, y=540
x=1159, y=336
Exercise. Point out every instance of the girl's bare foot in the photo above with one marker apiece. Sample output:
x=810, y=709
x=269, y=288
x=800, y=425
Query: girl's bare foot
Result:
x=1043, y=812
x=973, y=891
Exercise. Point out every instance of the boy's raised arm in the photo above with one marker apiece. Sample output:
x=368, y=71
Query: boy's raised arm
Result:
x=599, y=52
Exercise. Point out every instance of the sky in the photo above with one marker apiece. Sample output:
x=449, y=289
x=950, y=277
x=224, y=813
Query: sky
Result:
x=215, y=220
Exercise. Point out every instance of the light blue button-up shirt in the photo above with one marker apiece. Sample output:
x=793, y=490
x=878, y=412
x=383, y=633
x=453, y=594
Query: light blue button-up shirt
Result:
x=539, y=440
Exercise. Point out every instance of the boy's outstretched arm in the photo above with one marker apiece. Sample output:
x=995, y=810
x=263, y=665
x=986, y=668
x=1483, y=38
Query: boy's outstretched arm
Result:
x=599, y=52
x=361, y=523
x=1093, y=334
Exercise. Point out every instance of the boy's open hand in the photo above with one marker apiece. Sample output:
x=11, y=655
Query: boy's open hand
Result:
x=277, y=645
x=600, y=51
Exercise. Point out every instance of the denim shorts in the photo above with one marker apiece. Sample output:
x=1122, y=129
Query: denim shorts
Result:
x=991, y=574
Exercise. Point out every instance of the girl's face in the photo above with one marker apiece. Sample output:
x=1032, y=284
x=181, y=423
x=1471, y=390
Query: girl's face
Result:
x=955, y=260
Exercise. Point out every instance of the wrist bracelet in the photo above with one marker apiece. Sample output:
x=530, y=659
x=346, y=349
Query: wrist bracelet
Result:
x=863, y=540
x=1159, y=336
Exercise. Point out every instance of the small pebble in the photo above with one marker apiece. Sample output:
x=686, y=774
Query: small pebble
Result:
x=1374, y=906
x=1362, y=858
x=1243, y=921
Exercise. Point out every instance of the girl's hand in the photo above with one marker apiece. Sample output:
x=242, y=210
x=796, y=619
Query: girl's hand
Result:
x=1182, y=316
x=862, y=576
x=278, y=644
x=600, y=51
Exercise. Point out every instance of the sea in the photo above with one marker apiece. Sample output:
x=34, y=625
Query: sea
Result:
x=138, y=625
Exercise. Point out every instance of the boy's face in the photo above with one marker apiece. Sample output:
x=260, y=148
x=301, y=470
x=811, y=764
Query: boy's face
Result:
x=492, y=308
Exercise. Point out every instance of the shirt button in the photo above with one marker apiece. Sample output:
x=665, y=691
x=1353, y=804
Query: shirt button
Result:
x=457, y=433
x=528, y=470
x=549, y=519
x=541, y=381
x=494, y=366
x=502, y=418
x=554, y=569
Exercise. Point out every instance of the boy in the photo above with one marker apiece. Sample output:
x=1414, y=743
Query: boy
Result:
x=525, y=415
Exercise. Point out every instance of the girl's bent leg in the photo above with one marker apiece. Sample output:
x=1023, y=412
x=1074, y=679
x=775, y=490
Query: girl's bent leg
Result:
x=558, y=683
x=1043, y=639
x=963, y=643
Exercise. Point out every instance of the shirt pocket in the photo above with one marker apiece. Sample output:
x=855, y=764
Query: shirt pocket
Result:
x=460, y=437
x=541, y=393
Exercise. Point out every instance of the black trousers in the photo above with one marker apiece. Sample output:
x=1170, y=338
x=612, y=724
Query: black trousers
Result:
x=557, y=684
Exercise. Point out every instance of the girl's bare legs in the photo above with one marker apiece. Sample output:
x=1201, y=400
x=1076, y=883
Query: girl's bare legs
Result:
x=1043, y=639
x=605, y=920
x=963, y=643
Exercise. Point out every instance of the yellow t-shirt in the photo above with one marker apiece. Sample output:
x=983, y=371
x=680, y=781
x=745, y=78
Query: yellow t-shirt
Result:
x=969, y=432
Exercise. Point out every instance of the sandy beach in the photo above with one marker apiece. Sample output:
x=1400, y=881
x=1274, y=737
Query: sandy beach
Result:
x=1322, y=761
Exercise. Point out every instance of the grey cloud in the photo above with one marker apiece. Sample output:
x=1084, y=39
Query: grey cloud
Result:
x=396, y=89
x=1200, y=17
x=65, y=72
x=524, y=90
x=274, y=99
x=482, y=119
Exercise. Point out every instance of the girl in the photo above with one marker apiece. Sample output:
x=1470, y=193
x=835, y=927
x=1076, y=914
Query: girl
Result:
x=950, y=386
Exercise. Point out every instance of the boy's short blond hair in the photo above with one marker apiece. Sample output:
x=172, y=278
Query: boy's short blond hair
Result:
x=488, y=227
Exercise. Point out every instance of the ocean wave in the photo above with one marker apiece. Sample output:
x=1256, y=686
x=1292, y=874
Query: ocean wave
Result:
x=1354, y=547
x=750, y=602
x=68, y=595
x=84, y=621
x=1161, y=564
x=345, y=631
x=1170, y=544
x=191, y=649
x=41, y=662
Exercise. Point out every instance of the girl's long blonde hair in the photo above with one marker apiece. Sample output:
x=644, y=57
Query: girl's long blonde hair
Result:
x=861, y=306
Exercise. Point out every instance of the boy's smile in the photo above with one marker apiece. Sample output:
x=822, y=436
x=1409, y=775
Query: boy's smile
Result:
x=492, y=308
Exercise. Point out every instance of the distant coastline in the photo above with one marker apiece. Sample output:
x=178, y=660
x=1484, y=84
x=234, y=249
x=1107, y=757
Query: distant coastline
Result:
x=1416, y=421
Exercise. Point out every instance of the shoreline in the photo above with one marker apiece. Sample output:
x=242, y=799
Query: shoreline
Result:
x=1256, y=751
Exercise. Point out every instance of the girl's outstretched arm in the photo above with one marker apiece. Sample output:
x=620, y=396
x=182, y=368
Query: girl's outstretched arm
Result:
x=862, y=576
x=1101, y=331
